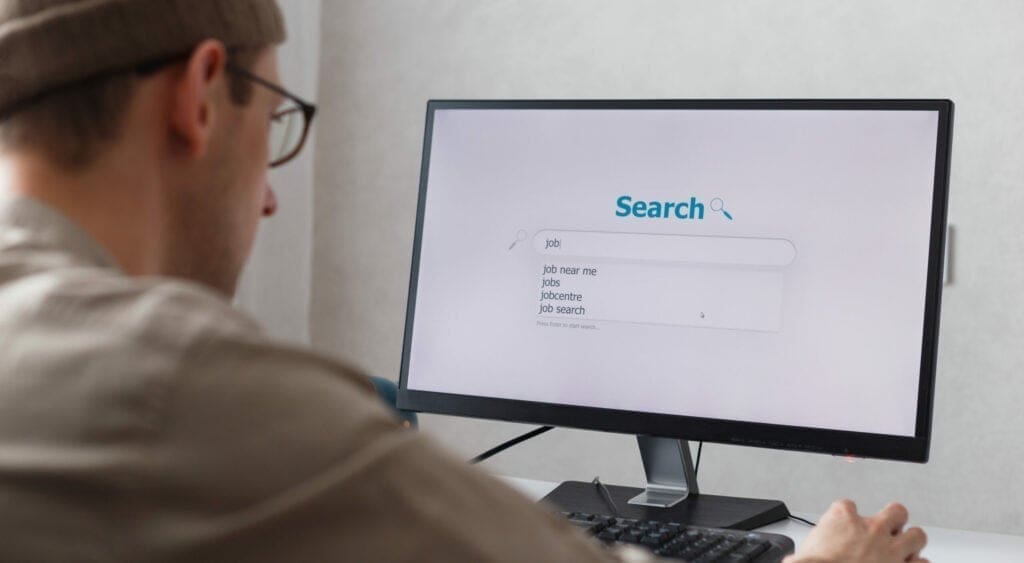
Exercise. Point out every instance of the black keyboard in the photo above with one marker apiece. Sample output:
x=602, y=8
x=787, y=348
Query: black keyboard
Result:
x=689, y=543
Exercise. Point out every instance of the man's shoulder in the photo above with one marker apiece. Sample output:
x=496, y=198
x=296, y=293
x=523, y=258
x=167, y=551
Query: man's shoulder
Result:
x=155, y=311
x=142, y=327
x=92, y=340
x=105, y=349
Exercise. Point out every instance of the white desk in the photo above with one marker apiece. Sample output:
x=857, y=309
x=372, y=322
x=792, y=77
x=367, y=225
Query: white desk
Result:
x=944, y=545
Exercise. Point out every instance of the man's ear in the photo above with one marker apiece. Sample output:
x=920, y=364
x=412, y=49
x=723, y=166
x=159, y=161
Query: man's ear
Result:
x=193, y=95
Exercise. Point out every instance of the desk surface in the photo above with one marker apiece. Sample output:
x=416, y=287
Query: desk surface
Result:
x=944, y=545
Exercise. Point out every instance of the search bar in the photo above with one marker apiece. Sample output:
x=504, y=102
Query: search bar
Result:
x=726, y=251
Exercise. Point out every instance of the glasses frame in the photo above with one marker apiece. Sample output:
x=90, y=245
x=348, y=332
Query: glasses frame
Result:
x=308, y=109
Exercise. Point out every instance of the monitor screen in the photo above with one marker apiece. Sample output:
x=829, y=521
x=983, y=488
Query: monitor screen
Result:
x=770, y=266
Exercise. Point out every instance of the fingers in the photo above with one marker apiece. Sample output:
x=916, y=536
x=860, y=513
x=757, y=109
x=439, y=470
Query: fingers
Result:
x=909, y=544
x=841, y=513
x=893, y=517
x=844, y=507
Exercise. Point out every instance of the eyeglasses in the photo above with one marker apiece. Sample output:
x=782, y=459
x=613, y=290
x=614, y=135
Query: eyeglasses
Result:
x=289, y=125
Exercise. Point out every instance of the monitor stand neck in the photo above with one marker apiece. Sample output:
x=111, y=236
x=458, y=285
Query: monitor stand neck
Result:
x=669, y=469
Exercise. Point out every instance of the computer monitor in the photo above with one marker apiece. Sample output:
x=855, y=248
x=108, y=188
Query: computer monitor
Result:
x=764, y=273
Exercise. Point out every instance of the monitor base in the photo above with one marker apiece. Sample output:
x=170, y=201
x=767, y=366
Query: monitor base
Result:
x=711, y=511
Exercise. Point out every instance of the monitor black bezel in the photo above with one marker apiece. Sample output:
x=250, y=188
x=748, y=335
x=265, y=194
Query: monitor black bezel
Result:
x=903, y=448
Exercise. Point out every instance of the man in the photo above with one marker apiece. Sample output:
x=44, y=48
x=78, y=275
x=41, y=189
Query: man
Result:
x=142, y=418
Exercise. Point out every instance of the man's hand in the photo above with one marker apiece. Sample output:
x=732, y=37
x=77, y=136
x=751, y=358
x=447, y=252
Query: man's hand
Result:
x=843, y=535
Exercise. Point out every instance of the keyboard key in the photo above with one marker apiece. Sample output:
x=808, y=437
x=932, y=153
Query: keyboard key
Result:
x=611, y=533
x=632, y=536
x=714, y=554
x=728, y=545
x=753, y=549
x=678, y=543
x=690, y=553
x=705, y=543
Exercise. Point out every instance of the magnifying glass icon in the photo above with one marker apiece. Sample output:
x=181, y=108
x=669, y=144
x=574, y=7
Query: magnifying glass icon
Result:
x=520, y=237
x=718, y=205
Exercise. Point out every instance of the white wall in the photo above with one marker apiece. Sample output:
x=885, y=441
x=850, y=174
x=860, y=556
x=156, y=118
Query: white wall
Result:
x=275, y=286
x=382, y=59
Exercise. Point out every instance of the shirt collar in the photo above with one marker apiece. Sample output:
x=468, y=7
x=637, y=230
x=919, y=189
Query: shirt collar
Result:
x=28, y=223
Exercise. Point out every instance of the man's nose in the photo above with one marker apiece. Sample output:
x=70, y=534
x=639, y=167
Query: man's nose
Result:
x=269, y=202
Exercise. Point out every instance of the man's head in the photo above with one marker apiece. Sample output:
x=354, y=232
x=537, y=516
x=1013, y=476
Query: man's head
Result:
x=150, y=127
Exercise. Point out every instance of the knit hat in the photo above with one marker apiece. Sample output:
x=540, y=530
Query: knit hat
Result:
x=46, y=44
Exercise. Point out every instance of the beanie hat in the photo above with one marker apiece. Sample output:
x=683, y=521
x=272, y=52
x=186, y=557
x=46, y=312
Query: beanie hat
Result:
x=46, y=44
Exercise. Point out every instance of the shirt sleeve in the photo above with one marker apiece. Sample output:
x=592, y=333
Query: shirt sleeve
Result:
x=271, y=453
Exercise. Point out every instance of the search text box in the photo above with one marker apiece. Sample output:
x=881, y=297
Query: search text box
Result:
x=726, y=251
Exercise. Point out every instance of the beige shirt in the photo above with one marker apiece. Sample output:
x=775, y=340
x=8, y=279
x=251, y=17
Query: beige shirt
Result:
x=148, y=420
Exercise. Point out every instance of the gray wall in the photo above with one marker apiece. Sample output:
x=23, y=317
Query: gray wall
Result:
x=275, y=286
x=382, y=59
